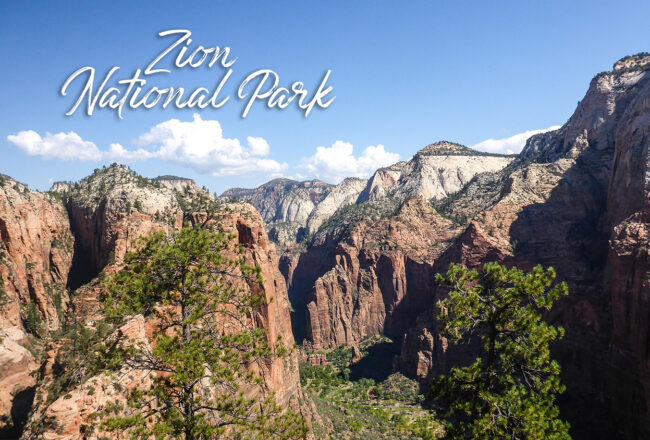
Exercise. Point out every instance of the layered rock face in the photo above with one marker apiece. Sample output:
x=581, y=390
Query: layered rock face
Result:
x=627, y=266
x=176, y=183
x=244, y=223
x=343, y=194
x=368, y=279
x=60, y=187
x=111, y=208
x=294, y=210
x=36, y=248
x=435, y=172
x=576, y=200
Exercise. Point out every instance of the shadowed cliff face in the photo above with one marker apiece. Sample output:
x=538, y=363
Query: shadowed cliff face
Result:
x=111, y=208
x=280, y=375
x=366, y=267
x=577, y=201
x=365, y=278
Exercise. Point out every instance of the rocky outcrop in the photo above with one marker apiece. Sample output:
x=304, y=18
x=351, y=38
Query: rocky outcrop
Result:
x=60, y=187
x=111, y=208
x=435, y=172
x=106, y=230
x=368, y=278
x=345, y=193
x=104, y=216
x=245, y=224
x=35, y=257
x=626, y=276
x=69, y=417
x=640, y=61
x=180, y=184
x=284, y=204
x=628, y=367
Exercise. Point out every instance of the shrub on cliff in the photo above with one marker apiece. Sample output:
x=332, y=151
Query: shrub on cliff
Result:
x=510, y=390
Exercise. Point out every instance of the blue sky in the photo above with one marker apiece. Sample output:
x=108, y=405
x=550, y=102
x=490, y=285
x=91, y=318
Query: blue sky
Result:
x=404, y=75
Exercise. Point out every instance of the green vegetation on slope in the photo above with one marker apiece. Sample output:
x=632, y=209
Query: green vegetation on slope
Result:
x=364, y=408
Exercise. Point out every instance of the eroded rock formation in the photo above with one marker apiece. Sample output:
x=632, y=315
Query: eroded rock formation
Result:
x=285, y=205
x=294, y=211
x=109, y=211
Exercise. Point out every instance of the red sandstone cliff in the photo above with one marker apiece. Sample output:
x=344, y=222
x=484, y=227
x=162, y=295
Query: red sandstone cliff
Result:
x=368, y=277
x=35, y=257
x=108, y=211
x=69, y=414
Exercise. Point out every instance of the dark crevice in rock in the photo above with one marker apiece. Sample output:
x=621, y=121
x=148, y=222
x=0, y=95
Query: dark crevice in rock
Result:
x=245, y=235
x=377, y=364
x=20, y=409
x=83, y=269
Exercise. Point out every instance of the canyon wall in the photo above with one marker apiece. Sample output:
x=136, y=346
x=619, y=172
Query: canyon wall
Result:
x=576, y=200
x=36, y=248
x=367, y=267
x=367, y=278
x=284, y=204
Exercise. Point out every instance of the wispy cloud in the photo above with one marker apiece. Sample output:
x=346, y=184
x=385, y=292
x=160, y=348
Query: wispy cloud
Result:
x=512, y=144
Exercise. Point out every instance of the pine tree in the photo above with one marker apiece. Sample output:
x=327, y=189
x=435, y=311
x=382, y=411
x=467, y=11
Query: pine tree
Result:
x=209, y=354
x=509, y=391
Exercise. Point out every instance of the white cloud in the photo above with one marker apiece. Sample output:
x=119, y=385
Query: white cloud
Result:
x=197, y=144
x=337, y=162
x=512, y=144
x=200, y=145
x=66, y=146
x=118, y=153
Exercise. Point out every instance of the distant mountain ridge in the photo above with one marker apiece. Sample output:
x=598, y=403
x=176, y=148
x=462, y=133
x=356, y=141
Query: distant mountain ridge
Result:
x=294, y=210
